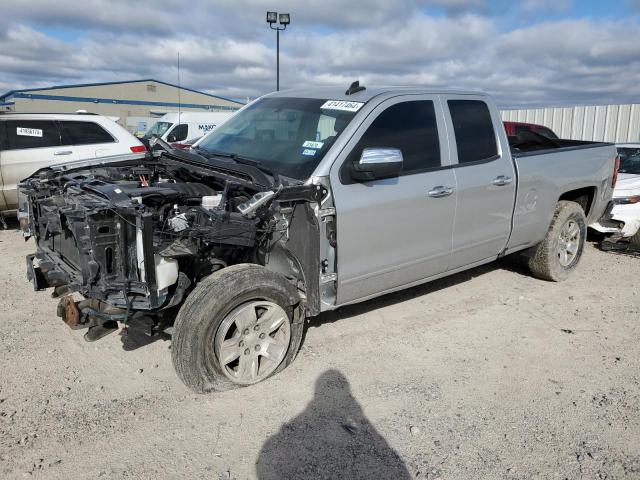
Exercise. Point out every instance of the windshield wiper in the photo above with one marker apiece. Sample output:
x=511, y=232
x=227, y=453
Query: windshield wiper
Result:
x=204, y=151
x=240, y=159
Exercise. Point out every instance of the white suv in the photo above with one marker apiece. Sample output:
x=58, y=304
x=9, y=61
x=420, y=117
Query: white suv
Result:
x=29, y=141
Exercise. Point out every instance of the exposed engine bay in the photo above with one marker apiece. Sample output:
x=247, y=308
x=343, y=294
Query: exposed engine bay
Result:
x=134, y=236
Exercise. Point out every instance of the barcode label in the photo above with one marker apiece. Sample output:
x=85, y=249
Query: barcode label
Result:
x=29, y=132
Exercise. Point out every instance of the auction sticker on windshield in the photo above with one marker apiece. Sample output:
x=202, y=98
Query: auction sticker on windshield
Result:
x=310, y=144
x=343, y=105
x=29, y=132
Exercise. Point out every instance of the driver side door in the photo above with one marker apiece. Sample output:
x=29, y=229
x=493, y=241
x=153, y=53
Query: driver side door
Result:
x=395, y=232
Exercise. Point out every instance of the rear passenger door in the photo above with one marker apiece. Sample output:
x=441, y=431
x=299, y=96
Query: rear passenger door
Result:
x=30, y=145
x=88, y=139
x=485, y=178
x=396, y=231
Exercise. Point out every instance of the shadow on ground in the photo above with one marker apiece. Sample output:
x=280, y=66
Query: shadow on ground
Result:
x=134, y=340
x=8, y=222
x=512, y=263
x=331, y=438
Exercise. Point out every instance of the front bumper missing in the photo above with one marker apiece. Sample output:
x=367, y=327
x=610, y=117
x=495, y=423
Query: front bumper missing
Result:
x=35, y=275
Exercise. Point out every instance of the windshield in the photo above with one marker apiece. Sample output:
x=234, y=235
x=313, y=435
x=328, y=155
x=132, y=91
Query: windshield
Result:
x=629, y=160
x=158, y=129
x=288, y=136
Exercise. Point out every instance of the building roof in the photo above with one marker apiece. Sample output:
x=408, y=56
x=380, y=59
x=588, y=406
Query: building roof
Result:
x=56, y=87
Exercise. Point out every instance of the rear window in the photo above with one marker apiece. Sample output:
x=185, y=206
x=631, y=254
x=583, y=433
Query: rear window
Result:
x=23, y=134
x=544, y=131
x=473, y=127
x=83, y=133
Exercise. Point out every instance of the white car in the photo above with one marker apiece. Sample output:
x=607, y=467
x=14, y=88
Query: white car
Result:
x=30, y=141
x=180, y=127
x=623, y=221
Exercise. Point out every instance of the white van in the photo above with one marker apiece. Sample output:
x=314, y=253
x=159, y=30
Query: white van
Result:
x=180, y=127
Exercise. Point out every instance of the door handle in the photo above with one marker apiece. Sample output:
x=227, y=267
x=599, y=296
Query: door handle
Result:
x=440, y=191
x=63, y=152
x=502, y=180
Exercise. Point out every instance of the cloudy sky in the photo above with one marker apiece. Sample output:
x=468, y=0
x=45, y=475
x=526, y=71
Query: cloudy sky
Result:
x=529, y=52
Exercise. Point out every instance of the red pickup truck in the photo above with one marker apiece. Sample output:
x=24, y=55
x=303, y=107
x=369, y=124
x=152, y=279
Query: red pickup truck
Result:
x=514, y=128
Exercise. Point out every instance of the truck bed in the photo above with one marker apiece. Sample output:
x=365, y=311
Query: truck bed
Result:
x=528, y=143
x=545, y=169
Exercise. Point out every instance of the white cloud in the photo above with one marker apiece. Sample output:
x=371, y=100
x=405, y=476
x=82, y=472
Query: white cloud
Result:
x=228, y=49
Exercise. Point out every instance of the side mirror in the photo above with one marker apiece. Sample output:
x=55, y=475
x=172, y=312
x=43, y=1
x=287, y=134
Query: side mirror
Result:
x=171, y=139
x=376, y=163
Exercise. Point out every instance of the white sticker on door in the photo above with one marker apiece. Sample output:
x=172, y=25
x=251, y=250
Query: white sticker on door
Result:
x=342, y=105
x=29, y=132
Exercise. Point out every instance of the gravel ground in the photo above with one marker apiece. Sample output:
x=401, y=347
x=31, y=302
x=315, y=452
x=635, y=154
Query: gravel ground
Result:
x=486, y=374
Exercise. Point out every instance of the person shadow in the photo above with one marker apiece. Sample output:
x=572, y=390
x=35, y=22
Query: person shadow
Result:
x=331, y=439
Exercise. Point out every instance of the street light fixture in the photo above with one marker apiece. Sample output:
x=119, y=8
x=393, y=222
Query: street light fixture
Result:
x=278, y=22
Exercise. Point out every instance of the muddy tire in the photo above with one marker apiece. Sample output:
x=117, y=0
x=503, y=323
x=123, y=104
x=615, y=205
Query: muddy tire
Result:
x=559, y=253
x=229, y=314
x=634, y=241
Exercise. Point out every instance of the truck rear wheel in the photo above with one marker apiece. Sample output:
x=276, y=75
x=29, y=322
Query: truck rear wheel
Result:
x=236, y=329
x=560, y=251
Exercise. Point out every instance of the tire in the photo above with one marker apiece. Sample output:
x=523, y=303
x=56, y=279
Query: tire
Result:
x=548, y=261
x=197, y=332
x=634, y=241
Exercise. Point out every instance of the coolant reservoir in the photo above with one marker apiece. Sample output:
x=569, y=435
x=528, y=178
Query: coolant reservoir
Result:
x=166, y=272
x=166, y=268
x=211, y=201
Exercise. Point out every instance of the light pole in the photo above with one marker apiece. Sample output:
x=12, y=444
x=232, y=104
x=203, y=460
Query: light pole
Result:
x=277, y=23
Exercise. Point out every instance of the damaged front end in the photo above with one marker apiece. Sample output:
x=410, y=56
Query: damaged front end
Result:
x=132, y=236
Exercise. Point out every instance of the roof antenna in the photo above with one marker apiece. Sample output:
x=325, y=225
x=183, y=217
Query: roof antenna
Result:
x=355, y=88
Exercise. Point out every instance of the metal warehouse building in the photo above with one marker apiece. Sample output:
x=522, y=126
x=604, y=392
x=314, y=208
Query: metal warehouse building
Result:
x=608, y=123
x=137, y=104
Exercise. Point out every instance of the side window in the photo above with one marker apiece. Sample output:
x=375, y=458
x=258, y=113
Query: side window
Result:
x=409, y=126
x=21, y=134
x=83, y=133
x=475, y=136
x=3, y=137
x=179, y=133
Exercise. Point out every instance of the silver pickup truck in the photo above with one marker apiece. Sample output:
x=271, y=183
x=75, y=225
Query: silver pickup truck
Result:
x=305, y=201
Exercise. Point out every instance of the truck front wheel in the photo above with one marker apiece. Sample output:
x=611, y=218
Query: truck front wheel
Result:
x=560, y=251
x=236, y=328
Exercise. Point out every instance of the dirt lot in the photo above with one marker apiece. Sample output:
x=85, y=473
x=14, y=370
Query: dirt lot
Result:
x=487, y=374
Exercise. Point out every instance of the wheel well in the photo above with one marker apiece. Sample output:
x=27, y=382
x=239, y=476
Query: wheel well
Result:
x=582, y=196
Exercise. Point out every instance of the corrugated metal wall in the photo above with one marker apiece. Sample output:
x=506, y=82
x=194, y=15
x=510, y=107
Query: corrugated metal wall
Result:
x=608, y=123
